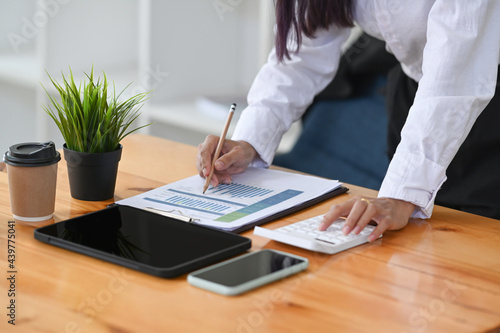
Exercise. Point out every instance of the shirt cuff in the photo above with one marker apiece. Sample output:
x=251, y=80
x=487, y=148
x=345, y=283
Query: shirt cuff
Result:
x=415, y=179
x=264, y=135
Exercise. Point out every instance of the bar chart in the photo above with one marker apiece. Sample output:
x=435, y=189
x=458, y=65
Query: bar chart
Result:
x=226, y=203
x=236, y=190
x=263, y=204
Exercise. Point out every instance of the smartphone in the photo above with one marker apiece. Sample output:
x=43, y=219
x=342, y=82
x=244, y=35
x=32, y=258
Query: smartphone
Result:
x=247, y=272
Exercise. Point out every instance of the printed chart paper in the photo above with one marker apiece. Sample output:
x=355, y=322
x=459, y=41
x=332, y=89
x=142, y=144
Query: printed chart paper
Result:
x=253, y=195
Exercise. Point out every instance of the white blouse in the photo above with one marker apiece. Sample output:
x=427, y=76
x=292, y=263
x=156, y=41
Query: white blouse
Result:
x=452, y=48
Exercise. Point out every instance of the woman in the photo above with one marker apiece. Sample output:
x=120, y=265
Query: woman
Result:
x=449, y=53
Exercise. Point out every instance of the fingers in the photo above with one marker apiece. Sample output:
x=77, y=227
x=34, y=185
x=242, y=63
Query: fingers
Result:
x=204, y=158
x=205, y=153
x=226, y=160
x=381, y=227
x=335, y=212
x=221, y=178
x=235, y=158
x=361, y=214
x=225, y=164
x=364, y=211
x=389, y=214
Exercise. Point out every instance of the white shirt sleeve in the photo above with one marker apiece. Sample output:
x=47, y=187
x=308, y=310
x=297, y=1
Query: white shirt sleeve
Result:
x=460, y=64
x=281, y=92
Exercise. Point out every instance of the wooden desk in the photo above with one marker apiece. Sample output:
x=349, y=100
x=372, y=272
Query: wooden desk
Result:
x=440, y=275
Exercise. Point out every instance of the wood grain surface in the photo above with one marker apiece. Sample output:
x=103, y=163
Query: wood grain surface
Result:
x=436, y=275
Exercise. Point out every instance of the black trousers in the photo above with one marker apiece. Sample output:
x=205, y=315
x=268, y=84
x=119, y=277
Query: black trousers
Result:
x=473, y=177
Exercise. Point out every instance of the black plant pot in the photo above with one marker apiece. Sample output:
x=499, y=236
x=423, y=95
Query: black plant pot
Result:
x=92, y=176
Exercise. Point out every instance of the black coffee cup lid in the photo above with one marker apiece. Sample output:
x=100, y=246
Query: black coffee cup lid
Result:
x=32, y=154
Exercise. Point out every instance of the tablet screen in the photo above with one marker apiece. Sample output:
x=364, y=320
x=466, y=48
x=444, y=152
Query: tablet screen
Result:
x=160, y=245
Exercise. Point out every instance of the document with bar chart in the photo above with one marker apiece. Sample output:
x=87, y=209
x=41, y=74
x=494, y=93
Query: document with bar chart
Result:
x=253, y=196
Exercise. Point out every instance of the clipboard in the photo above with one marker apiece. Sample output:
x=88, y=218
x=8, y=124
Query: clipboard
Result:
x=255, y=197
x=144, y=241
x=338, y=191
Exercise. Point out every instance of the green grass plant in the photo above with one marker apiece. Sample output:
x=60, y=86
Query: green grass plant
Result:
x=91, y=119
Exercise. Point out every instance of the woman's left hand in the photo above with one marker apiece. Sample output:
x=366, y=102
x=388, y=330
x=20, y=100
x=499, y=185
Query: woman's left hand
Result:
x=389, y=214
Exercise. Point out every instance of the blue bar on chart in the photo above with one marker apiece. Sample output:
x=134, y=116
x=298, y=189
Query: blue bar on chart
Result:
x=263, y=204
x=193, y=204
x=236, y=190
x=190, y=202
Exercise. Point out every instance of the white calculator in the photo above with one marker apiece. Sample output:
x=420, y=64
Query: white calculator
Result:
x=305, y=234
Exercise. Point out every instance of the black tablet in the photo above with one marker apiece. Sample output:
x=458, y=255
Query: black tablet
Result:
x=144, y=241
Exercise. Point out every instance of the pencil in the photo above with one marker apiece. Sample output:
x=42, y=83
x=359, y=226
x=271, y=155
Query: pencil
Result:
x=219, y=146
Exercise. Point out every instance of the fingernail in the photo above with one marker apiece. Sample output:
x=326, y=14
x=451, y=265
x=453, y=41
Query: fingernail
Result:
x=356, y=230
x=346, y=230
x=219, y=165
x=322, y=226
x=204, y=171
x=371, y=238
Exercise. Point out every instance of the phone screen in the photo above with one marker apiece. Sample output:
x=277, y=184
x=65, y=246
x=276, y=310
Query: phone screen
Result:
x=250, y=267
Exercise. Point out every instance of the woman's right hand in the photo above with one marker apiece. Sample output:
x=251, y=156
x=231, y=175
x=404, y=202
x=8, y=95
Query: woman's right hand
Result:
x=234, y=158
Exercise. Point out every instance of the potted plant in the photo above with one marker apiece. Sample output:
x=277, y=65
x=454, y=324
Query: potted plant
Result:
x=92, y=123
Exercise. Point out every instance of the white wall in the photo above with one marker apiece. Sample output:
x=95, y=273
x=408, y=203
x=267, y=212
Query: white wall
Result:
x=183, y=49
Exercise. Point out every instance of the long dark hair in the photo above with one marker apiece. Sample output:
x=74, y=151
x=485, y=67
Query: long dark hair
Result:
x=306, y=16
